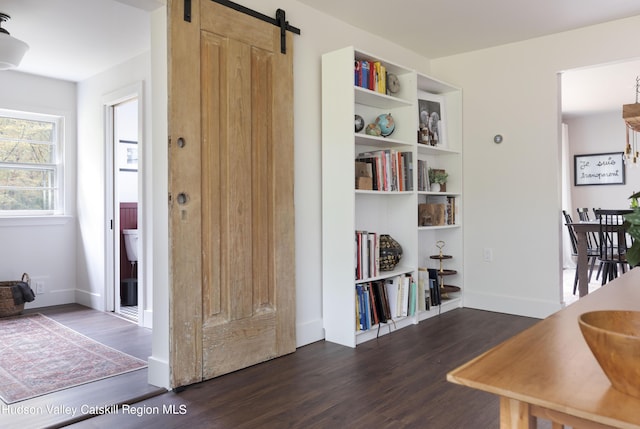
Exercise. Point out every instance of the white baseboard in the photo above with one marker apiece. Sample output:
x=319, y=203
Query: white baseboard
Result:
x=89, y=299
x=510, y=305
x=309, y=332
x=147, y=319
x=159, y=373
x=57, y=297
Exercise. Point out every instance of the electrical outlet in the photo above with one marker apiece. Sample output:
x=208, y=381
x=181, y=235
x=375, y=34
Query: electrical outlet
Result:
x=39, y=286
x=487, y=254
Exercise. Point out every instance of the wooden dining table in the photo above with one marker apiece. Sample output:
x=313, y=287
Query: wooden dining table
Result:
x=548, y=371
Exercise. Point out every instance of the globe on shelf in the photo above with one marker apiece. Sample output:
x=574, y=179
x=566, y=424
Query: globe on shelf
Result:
x=386, y=124
x=373, y=130
x=359, y=123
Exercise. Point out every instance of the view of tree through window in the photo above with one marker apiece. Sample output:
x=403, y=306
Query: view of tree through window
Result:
x=28, y=163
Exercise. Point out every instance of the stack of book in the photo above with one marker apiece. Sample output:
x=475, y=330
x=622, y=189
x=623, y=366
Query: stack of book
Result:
x=389, y=169
x=435, y=295
x=384, y=300
x=367, y=257
x=370, y=75
x=450, y=210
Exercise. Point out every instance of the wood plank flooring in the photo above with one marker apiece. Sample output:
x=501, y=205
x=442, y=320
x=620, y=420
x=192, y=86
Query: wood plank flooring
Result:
x=397, y=381
x=55, y=409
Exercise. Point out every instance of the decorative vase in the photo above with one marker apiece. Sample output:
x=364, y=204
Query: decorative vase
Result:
x=390, y=252
x=435, y=187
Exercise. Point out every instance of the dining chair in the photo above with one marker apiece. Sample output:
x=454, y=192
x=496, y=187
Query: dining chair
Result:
x=592, y=239
x=583, y=214
x=613, y=243
x=592, y=253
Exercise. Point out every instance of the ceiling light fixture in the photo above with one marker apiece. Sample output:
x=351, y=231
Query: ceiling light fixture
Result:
x=631, y=116
x=11, y=49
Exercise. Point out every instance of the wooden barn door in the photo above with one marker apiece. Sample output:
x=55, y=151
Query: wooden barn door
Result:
x=231, y=209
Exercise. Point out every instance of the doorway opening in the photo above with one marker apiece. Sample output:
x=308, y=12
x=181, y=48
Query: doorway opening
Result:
x=125, y=288
x=592, y=98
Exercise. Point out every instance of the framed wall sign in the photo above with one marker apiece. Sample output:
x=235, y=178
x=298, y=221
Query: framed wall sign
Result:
x=599, y=169
x=128, y=155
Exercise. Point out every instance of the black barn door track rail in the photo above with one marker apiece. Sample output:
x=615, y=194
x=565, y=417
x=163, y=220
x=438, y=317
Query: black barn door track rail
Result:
x=279, y=21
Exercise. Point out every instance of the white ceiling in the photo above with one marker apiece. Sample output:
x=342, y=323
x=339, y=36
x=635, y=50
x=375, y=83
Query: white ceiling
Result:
x=76, y=39
x=602, y=88
x=438, y=28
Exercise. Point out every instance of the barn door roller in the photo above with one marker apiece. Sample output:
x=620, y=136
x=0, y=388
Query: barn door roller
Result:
x=279, y=21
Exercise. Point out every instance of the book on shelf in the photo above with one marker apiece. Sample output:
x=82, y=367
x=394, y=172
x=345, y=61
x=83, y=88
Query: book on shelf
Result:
x=423, y=176
x=408, y=163
x=380, y=298
x=390, y=169
x=423, y=289
x=375, y=318
x=434, y=286
x=451, y=210
x=371, y=75
x=391, y=288
x=372, y=305
x=383, y=300
x=358, y=311
x=399, y=296
x=413, y=297
x=438, y=210
x=364, y=176
x=404, y=297
x=361, y=323
x=380, y=289
x=367, y=255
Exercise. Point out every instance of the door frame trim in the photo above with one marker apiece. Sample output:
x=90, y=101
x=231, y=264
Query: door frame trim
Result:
x=112, y=216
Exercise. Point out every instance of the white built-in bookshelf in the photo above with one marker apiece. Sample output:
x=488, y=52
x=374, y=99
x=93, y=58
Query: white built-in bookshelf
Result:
x=346, y=210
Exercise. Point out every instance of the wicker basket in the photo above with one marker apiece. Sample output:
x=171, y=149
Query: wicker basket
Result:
x=7, y=306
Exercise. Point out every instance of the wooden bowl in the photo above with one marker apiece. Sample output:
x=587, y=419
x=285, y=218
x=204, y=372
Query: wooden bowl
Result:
x=614, y=339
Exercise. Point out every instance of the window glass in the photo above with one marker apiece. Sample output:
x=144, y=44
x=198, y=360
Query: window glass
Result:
x=30, y=164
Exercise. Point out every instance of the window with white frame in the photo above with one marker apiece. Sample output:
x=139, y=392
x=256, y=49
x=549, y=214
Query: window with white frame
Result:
x=31, y=164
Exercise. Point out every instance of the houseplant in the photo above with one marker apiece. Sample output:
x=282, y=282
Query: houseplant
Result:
x=438, y=178
x=632, y=226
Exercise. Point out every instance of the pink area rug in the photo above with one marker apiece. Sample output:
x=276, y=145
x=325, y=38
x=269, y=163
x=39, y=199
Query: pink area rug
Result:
x=39, y=356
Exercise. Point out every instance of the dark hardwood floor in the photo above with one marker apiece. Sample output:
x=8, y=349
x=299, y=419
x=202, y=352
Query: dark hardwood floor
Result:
x=55, y=409
x=397, y=381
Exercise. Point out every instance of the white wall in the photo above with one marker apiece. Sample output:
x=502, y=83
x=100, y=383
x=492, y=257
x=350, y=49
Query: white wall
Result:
x=92, y=221
x=601, y=133
x=43, y=247
x=320, y=33
x=512, y=190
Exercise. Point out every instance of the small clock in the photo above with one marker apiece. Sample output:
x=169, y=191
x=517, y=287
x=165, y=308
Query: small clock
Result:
x=393, y=83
